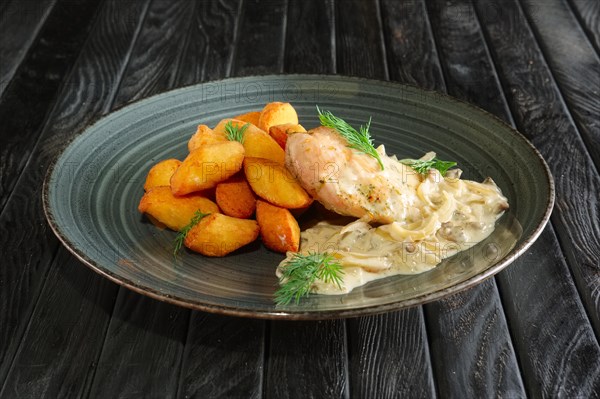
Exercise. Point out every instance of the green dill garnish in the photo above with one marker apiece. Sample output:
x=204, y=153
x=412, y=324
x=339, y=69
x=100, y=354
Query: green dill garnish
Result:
x=235, y=133
x=423, y=167
x=300, y=273
x=183, y=232
x=359, y=140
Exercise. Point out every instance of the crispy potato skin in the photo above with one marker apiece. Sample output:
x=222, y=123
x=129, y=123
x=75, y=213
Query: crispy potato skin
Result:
x=279, y=230
x=280, y=133
x=174, y=212
x=277, y=113
x=257, y=143
x=272, y=182
x=160, y=174
x=251, y=117
x=218, y=235
x=207, y=166
x=235, y=197
x=203, y=136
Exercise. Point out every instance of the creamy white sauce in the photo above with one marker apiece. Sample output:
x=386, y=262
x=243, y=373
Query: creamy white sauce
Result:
x=448, y=215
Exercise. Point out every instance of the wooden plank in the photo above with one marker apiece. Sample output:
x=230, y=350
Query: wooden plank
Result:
x=262, y=24
x=389, y=356
x=557, y=349
x=578, y=81
x=187, y=43
x=307, y=360
x=410, y=45
x=26, y=244
x=359, y=44
x=549, y=347
x=307, y=52
x=400, y=338
x=469, y=358
x=24, y=107
x=142, y=348
x=588, y=14
x=57, y=356
x=223, y=357
x=20, y=23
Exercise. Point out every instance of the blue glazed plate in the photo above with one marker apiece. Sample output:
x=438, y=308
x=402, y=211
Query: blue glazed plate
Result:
x=92, y=191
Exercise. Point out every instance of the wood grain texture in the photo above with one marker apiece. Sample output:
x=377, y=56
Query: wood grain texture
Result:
x=184, y=42
x=32, y=93
x=471, y=349
x=411, y=51
x=588, y=13
x=359, y=42
x=307, y=360
x=389, y=356
x=532, y=309
x=306, y=51
x=472, y=352
x=20, y=22
x=574, y=64
x=27, y=246
x=558, y=352
x=223, y=357
x=261, y=38
x=540, y=113
x=142, y=349
x=58, y=356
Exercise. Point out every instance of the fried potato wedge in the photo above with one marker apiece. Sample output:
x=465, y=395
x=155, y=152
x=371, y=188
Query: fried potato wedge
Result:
x=279, y=230
x=207, y=166
x=160, y=174
x=235, y=197
x=277, y=113
x=218, y=234
x=174, y=212
x=251, y=117
x=280, y=133
x=257, y=143
x=272, y=182
x=204, y=135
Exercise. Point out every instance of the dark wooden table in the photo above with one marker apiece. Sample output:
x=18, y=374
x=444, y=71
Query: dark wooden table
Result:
x=532, y=331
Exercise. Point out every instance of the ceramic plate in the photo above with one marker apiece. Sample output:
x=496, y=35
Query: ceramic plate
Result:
x=92, y=191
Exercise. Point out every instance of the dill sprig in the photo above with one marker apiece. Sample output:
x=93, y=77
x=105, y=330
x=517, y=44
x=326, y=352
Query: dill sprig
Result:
x=235, y=133
x=359, y=140
x=300, y=273
x=183, y=232
x=423, y=167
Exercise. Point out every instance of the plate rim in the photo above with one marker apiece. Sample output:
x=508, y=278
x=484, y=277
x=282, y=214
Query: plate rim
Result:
x=298, y=313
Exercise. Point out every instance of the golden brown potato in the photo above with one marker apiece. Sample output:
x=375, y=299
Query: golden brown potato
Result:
x=204, y=135
x=207, y=166
x=278, y=228
x=259, y=144
x=280, y=132
x=218, y=234
x=256, y=142
x=277, y=113
x=235, y=197
x=251, y=117
x=160, y=174
x=174, y=212
x=220, y=128
x=274, y=183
